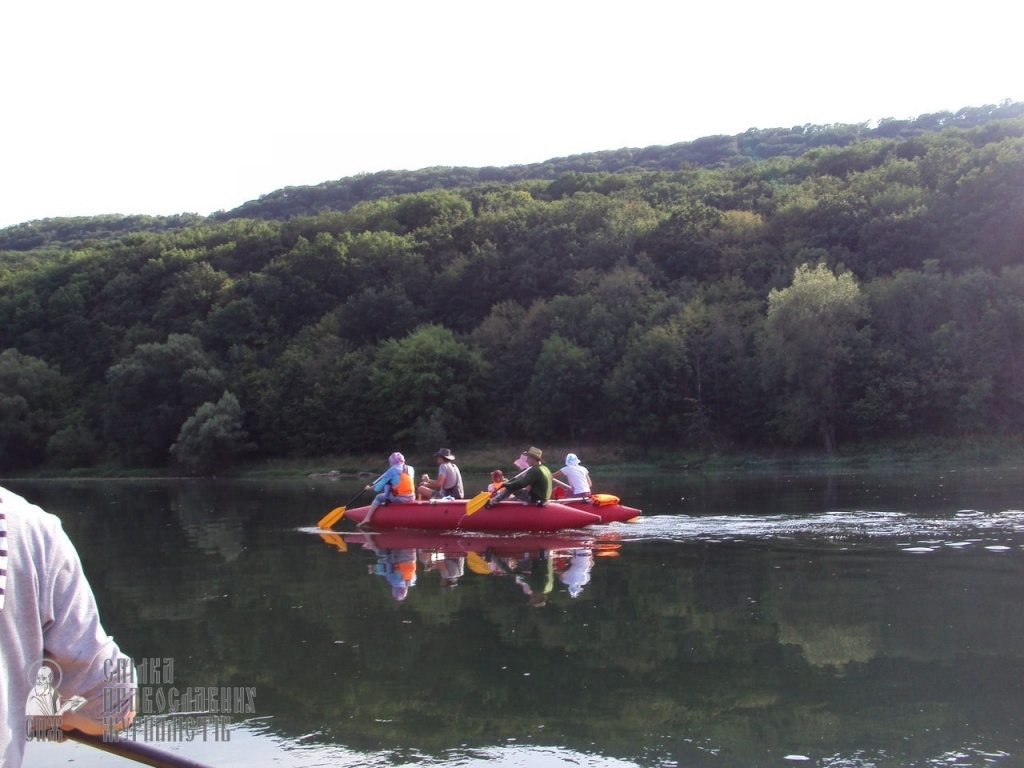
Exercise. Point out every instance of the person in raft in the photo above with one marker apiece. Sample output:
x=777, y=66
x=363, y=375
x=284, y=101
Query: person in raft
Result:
x=449, y=479
x=532, y=486
x=396, y=484
x=497, y=481
x=577, y=476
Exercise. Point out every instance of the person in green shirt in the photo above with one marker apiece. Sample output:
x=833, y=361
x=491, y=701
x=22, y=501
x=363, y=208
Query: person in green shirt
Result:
x=532, y=486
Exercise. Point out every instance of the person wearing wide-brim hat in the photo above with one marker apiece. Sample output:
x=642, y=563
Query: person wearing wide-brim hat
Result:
x=532, y=486
x=448, y=482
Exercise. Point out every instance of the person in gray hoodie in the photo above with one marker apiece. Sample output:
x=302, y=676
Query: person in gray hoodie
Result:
x=58, y=667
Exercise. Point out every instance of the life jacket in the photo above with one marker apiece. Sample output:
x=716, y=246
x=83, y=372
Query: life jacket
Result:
x=405, y=485
x=407, y=568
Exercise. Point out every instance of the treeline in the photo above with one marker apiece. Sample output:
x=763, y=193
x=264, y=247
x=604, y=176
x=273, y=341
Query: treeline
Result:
x=707, y=152
x=850, y=291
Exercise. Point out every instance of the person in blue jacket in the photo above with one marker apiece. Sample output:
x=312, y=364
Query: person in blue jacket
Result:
x=397, y=484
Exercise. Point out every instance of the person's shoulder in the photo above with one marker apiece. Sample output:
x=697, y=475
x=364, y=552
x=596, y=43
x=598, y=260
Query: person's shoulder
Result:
x=19, y=509
x=31, y=528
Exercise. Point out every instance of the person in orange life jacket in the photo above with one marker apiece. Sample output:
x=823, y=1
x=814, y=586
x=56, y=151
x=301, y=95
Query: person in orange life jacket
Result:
x=497, y=481
x=532, y=486
x=398, y=566
x=448, y=482
x=396, y=484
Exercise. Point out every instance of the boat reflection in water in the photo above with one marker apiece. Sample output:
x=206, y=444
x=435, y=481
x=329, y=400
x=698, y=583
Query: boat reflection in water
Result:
x=533, y=563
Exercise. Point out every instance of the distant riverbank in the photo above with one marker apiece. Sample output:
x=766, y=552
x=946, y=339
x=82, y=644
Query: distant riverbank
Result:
x=602, y=457
x=626, y=459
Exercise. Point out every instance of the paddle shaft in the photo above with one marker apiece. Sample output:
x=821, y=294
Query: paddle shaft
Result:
x=335, y=514
x=354, y=499
x=135, y=750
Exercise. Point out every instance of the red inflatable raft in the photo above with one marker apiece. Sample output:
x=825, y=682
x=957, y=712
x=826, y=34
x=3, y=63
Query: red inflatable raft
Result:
x=443, y=515
x=605, y=506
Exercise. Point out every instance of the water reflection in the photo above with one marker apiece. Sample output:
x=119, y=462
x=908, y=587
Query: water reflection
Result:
x=534, y=564
x=854, y=620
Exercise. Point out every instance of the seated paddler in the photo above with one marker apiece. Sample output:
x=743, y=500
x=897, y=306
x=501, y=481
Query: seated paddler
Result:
x=397, y=484
x=532, y=486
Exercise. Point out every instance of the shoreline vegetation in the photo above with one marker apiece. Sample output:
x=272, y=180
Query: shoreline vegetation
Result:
x=805, y=296
x=621, y=459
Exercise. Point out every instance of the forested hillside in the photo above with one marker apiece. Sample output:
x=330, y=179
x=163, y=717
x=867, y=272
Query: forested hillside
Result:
x=804, y=288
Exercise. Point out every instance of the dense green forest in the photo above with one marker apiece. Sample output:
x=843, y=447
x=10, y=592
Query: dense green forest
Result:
x=814, y=286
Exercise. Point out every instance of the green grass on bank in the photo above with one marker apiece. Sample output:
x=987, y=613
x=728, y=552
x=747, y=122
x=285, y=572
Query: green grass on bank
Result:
x=481, y=459
x=623, y=459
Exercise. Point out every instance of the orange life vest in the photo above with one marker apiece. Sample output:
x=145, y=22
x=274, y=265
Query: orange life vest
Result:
x=405, y=486
x=407, y=568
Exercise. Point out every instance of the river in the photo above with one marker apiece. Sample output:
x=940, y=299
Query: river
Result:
x=850, y=618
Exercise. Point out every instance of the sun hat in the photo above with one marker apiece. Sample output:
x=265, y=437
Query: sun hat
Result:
x=396, y=458
x=446, y=454
x=535, y=453
x=571, y=459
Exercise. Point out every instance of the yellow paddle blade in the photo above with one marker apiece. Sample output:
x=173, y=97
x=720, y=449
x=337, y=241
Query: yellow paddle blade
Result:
x=477, y=502
x=331, y=517
x=335, y=540
x=477, y=564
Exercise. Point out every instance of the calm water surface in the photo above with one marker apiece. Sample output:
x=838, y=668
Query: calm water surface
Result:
x=848, y=619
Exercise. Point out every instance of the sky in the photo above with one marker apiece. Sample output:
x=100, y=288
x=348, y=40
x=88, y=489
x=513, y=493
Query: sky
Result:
x=194, y=106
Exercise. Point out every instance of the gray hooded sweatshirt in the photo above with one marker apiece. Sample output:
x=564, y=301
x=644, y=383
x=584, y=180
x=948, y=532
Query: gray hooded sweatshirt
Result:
x=47, y=610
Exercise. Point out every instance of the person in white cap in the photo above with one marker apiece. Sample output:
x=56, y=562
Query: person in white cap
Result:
x=577, y=476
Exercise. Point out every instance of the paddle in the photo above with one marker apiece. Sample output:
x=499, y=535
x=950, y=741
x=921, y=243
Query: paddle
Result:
x=477, y=564
x=335, y=540
x=135, y=750
x=477, y=502
x=335, y=514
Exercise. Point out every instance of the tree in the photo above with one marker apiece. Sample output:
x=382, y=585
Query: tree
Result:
x=151, y=393
x=299, y=287
x=315, y=399
x=32, y=397
x=236, y=323
x=428, y=368
x=649, y=390
x=73, y=446
x=212, y=438
x=558, y=398
x=374, y=314
x=809, y=334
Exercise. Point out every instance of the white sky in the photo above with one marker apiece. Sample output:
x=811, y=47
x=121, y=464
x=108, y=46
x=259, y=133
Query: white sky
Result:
x=156, y=107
